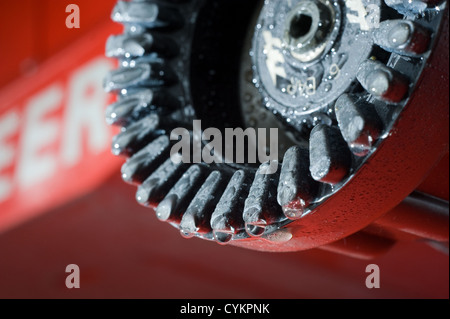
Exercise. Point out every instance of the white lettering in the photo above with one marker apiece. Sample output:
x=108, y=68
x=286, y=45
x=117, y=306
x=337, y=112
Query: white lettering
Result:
x=85, y=110
x=373, y=280
x=239, y=134
x=212, y=152
x=73, y=280
x=9, y=124
x=34, y=164
x=275, y=59
x=182, y=147
x=358, y=6
x=73, y=19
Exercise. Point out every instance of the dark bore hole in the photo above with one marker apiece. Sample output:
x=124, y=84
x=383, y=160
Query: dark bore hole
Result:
x=300, y=25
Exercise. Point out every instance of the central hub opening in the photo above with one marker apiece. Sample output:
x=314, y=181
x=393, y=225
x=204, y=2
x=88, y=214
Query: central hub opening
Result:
x=300, y=25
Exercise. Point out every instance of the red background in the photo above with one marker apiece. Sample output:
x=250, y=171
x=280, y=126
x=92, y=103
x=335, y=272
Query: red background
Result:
x=121, y=248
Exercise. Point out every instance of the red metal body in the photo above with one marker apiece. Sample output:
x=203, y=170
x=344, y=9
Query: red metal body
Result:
x=417, y=143
x=80, y=211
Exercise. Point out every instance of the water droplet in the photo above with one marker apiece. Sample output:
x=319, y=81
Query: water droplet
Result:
x=222, y=237
x=292, y=214
x=186, y=234
x=255, y=229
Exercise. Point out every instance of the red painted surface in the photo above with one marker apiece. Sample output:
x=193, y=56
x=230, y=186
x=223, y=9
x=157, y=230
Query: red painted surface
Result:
x=53, y=131
x=123, y=251
x=436, y=183
x=83, y=213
